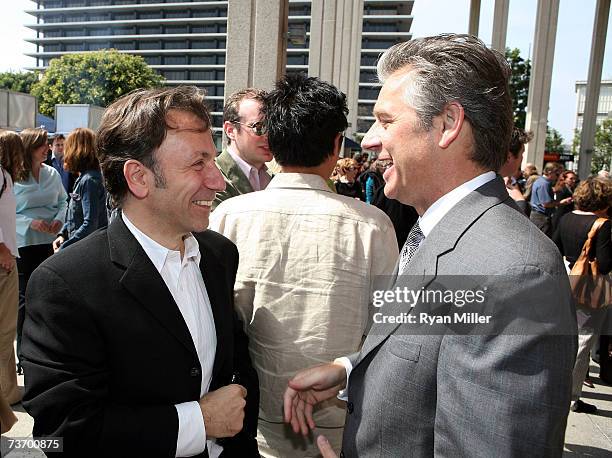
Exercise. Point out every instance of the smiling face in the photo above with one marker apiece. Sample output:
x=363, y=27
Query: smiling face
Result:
x=396, y=135
x=39, y=155
x=188, y=178
x=252, y=148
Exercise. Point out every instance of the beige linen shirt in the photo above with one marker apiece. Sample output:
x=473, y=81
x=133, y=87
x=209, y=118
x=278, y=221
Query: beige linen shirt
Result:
x=308, y=258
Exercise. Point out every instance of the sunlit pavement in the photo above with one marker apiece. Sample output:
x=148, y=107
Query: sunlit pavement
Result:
x=586, y=435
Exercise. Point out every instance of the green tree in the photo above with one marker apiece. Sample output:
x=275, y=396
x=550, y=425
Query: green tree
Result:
x=519, y=84
x=554, y=141
x=96, y=78
x=602, y=149
x=19, y=82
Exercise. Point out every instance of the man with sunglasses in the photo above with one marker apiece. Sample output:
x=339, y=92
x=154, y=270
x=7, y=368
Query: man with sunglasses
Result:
x=243, y=162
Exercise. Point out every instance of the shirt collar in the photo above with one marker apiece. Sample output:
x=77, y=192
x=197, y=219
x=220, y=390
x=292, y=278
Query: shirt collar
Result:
x=158, y=253
x=299, y=181
x=444, y=204
x=244, y=165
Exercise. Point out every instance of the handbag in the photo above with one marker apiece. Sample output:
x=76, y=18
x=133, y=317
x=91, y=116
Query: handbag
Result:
x=591, y=289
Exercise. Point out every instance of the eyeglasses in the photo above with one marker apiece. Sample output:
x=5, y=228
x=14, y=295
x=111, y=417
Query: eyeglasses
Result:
x=258, y=128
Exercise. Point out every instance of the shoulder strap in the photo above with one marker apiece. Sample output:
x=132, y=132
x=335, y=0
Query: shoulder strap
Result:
x=586, y=248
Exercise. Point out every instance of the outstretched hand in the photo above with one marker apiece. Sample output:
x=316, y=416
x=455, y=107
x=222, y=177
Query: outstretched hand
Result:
x=307, y=389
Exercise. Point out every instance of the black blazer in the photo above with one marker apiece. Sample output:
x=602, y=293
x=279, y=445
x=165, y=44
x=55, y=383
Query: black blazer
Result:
x=107, y=354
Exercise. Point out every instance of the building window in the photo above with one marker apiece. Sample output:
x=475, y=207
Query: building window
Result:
x=99, y=32
x=98, y=46
x=175, y=44
x=203, y=60
x=124, y=30
x=75, y=32
x=52, y=33
x=175, y=60
x=152, y=60
x=177, y=14
x=149, y=45
x=151, y=15
x=150, y=30
x=124, y=16
x=75, y=47
x=174, y=75
x=52, y=48
x=124, y=45
x=176, y=29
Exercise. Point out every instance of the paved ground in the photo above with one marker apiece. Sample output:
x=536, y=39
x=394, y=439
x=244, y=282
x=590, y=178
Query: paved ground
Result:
x=586, y=435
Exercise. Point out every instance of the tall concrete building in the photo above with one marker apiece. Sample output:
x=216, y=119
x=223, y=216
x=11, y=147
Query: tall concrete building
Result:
x=185, y=41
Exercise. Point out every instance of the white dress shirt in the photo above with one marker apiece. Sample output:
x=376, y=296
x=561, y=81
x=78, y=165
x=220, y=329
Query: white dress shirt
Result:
x=184, y=281
x=432, y=216
x=259, y=178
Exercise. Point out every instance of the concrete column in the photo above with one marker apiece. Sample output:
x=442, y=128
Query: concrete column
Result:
x=474, y=17
x=589, y=124
x=541, y=75
x=256, y=50
x=500, y=25
x=335, y=47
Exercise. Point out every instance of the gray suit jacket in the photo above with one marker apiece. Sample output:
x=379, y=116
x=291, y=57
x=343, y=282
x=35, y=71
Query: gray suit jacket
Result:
x=414, y=394
x=236, y=182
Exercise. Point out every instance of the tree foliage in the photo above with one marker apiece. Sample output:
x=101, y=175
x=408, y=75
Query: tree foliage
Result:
x=601, y=158
x=519, y=84
x=602, y=147
x=96, y=78
x=554, y=141
x=19, y=82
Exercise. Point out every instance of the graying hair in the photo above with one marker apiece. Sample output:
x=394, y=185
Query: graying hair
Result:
x=457, y=68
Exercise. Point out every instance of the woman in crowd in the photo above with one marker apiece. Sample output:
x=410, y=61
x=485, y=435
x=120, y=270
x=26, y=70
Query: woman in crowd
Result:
x=592, y=200
x=41, y=209
x=87, y=207
x=11, y=163
x=345, y=178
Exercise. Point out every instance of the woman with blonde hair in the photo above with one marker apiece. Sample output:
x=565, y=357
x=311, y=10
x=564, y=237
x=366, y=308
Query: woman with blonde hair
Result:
x=87, y=209
x=11, y=163
x=41, y=209
x=345, y=178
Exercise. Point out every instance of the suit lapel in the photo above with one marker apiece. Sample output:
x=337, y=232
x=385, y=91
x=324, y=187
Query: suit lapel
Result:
x=212, y=273
x=423, y=267
x=233, y=173
x=145, y=284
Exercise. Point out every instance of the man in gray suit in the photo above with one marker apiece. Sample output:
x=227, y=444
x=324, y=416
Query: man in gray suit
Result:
x=444, y=117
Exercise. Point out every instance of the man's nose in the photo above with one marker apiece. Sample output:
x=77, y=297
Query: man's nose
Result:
x=213, y=179
x=371, y=140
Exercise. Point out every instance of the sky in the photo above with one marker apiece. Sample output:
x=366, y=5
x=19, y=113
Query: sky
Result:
x=572, y=50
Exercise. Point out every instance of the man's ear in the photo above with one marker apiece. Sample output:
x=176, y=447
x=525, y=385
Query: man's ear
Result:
x=337, y=145
x=230, y=130
x=451, y=122
x=136, y=177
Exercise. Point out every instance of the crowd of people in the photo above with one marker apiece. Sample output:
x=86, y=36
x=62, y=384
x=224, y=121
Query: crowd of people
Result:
x=169, y=301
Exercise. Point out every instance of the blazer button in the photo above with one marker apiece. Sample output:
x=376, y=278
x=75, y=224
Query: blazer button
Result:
x=341, y=454
x=195, y=372
x=349, y=407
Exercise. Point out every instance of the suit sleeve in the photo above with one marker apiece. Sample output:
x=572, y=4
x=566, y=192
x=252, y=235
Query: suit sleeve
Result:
x=67, y=380
x=507, y=393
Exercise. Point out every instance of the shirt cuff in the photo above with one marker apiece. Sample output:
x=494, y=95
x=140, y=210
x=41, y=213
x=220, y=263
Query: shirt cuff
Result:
x=191, y=438
x=343, y=395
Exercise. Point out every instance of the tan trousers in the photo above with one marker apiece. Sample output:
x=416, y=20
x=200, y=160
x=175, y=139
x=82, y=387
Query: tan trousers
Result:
x=277, y=440
x=9, y=300
x=589, y=326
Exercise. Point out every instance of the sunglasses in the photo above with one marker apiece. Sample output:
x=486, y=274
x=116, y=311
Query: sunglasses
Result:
x=258, y=128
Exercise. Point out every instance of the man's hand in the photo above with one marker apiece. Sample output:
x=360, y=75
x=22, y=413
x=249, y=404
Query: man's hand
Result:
x=325, y=448
x=7, y=261
x=55, y=226
x=57, y=243
x=307, y=389
x=566, y=201
x=39, y=225
x=223, y=411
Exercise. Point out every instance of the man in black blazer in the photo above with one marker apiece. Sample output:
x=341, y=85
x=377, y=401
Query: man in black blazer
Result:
x=131, y=346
